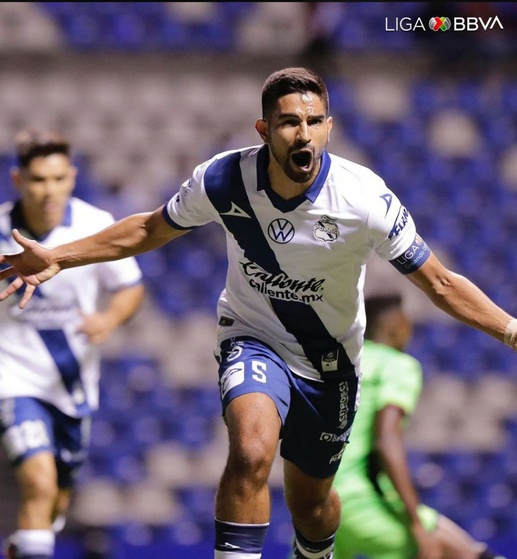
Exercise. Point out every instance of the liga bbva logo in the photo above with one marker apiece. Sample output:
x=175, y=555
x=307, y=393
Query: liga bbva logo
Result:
x=440, y=23
x=443, y=24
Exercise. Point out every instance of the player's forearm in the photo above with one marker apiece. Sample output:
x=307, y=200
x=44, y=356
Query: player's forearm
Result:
x=460, y=298
x=394, y=463
x=464, y=301
x=127, y=237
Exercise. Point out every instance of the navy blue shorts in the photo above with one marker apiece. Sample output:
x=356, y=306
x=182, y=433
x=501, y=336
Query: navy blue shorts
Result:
x=316, y=416
x=29, y=426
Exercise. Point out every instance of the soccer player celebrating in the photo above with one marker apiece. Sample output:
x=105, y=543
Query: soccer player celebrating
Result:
x=49, y=350
x=300, y=225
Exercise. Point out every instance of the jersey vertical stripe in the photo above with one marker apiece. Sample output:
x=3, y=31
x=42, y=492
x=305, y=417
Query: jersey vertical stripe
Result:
x=68, y=367
x=225, y=188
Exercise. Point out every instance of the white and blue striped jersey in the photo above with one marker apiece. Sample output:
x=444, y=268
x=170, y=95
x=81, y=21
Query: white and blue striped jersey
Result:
x=296, y=267
x=41, y=354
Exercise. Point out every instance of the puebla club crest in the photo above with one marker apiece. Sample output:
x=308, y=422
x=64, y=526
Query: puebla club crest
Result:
x=326, y=230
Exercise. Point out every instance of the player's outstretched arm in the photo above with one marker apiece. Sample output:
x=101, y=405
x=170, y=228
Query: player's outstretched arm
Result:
x=130, y=236
x=463, y=300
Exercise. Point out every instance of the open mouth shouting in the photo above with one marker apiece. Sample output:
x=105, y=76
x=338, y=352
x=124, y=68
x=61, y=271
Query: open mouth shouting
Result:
x=303, y=160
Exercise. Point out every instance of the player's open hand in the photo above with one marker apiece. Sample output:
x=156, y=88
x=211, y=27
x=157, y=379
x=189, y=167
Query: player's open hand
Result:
x=33, y=266
x=97, y=326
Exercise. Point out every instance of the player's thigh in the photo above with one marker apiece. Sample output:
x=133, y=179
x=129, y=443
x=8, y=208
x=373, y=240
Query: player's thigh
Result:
x=255, y=393
x=457, y=543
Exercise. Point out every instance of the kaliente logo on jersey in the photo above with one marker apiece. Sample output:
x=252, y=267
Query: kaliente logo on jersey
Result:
x=443, y=23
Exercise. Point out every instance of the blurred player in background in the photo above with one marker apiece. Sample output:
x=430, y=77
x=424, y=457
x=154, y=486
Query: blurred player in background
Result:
x=49, y=351
x=382, y=517
x=300, y=225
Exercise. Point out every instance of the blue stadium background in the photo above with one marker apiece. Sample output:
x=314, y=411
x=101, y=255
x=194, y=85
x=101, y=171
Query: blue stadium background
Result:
x=146, y=90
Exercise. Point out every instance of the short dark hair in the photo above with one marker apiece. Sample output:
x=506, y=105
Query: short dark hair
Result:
x=292, y=80
x=375, y=306
x=33, y=142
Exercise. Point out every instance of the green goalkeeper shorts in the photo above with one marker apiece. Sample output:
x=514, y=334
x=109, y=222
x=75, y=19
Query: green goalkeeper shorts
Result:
x=372, y=528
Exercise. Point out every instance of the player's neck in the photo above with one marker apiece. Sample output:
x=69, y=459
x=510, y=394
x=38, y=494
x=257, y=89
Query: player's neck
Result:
x=284, y=186
x=40, y=225
x=289, y=191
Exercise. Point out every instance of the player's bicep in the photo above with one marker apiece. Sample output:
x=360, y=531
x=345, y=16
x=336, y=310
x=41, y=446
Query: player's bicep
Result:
x=388, y=422
x=160, y=230
x=391, y=415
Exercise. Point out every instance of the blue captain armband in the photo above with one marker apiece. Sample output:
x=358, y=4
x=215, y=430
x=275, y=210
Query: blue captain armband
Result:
x=413, y=257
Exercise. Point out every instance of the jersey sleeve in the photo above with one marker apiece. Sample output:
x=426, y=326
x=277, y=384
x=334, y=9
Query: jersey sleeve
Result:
x=190, y=207
x=120, y=274
x=395, y=237
x=400, y=383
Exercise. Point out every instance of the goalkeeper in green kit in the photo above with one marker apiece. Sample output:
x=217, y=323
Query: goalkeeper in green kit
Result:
x=382, y=517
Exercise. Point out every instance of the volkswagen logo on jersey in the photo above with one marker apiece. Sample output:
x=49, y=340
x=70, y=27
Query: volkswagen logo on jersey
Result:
x=326, y=229
x=281, y=231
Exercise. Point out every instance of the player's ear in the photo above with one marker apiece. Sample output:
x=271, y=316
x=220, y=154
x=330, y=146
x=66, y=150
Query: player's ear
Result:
x=261, y=128
x=71, y=178
x=15, y=177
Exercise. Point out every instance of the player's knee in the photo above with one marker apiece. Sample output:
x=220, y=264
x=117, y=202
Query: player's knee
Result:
x=307, y=510
x=310, y=506
x=251, y=461
x=41, y=486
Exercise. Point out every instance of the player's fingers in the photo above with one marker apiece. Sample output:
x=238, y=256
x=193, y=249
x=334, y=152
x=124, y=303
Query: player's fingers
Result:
x=29, y=290
x=11, y=288
x=21, y=240
x=97, y=339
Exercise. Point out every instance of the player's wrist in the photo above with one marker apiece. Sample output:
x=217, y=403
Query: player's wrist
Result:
x=510, y=334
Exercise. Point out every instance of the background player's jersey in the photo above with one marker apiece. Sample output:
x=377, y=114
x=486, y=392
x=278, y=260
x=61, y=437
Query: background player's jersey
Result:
x=296, y=267
x=41, y=354
x=389, y=377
